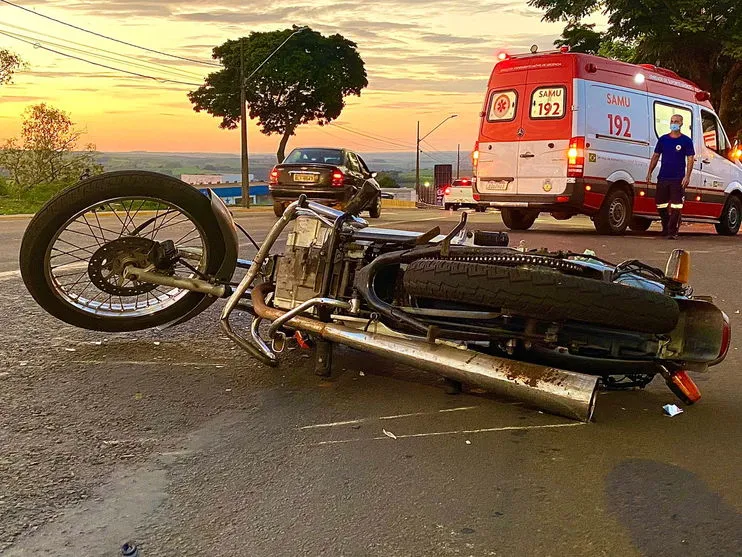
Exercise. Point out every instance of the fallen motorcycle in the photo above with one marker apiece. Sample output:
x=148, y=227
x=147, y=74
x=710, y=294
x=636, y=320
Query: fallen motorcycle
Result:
x=131, y=250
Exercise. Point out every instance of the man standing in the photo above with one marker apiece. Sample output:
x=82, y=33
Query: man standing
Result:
x=676, y=150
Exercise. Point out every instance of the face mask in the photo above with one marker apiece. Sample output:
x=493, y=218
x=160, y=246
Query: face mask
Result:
x=675, y=127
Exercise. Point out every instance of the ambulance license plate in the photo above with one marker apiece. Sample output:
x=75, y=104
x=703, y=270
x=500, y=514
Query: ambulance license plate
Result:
x=494, y=185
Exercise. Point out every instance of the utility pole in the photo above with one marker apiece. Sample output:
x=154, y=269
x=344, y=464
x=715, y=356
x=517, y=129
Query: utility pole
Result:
x=458, y=159
x=417, y=161
x=243, y=131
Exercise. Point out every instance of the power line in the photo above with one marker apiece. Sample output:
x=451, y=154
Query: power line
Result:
x=366, y=145
x=140, y=64
x=350, y=128
x=160, y=79
x=376, y=138
x=153, y=63
x=109, y=38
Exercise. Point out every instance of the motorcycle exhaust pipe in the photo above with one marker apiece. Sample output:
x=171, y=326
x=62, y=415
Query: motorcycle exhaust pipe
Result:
x=553, y=390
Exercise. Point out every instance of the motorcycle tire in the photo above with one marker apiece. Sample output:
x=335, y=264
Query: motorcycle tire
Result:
x=68, y=204
x=543, y=294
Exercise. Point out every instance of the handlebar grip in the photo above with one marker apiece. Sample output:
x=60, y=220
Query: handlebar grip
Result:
x=360, y=200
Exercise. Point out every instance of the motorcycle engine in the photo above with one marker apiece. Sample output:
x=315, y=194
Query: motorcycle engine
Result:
x=300, y=270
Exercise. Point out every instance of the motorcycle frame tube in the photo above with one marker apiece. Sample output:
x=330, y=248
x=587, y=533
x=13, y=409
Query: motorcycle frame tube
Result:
x=192, y=284
x=556, y=391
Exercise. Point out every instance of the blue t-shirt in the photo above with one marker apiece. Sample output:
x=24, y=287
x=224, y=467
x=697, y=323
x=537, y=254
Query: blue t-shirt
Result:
x=674, y=150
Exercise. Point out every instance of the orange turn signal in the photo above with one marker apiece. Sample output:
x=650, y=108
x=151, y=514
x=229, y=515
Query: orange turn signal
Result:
x=678, y=266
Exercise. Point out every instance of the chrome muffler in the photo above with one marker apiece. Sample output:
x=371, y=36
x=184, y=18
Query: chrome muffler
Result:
x=557, y=391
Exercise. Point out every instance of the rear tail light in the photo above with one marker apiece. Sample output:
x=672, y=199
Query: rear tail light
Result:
x=476, y=196
x=338, y=178
x=273, y=178
x=726, y=340
x=475, y=156
x=562, y=199
x=576, y=157
x=447, y=191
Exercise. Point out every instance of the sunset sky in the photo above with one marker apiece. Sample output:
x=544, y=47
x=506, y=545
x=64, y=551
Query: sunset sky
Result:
x=425, y=59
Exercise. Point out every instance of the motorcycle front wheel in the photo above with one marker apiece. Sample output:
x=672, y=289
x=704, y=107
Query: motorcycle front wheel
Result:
x=76, y=247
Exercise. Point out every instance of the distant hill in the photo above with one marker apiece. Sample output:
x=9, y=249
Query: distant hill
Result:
x=175, y=164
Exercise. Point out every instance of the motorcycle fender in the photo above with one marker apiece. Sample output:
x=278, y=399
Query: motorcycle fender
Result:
x=231, y=250
x=229, y=232
x=698, y=335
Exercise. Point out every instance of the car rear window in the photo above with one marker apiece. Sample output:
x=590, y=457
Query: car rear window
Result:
x=322, y=156
x=502, y=106
x=548, y=103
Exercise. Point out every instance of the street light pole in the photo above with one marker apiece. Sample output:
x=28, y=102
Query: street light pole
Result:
x=417, y=149
x=245, y=163
x=243, y=132
x=458, y=159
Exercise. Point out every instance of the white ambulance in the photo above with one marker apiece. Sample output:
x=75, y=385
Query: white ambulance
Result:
x=568, y=134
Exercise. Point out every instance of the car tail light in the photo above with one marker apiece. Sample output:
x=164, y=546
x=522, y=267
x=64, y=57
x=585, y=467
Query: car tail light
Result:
x=576, y=157
x=338, y=178
x=476, y=196
x=447, y=191
x=562, y=199
x=273, y=178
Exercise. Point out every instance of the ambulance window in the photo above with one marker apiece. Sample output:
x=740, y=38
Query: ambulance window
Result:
x=662, y=114
x=503, y=105
x=713, y=134
x=548, y=103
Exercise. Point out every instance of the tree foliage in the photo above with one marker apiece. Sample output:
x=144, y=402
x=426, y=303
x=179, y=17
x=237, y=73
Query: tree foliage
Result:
x=307, y=80
x=45, y=152
x=699, y=39
x=9, y=64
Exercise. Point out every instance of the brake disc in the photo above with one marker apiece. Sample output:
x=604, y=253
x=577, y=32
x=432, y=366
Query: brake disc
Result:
x=107, y=264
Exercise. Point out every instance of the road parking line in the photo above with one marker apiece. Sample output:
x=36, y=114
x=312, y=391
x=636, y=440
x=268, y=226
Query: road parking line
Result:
x=5, y=275
x=440, y=433
x=361, y=420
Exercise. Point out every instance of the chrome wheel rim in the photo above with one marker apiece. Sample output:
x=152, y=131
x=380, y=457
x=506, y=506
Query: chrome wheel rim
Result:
x=78, y=267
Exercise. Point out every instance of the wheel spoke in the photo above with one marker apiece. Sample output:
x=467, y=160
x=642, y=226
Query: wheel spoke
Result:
x=91, y=251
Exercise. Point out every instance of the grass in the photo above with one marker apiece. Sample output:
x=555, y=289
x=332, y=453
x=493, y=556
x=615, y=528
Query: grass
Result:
x=27, y=202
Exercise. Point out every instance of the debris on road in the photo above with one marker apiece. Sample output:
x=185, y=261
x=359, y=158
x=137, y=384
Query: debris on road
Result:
x=672, y=410
x=70, y=350
x=468, y=442
x=389, y=434
x=361, y=374
x=157, y=343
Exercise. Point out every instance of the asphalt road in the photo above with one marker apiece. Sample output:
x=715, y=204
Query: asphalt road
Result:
x=176, y=440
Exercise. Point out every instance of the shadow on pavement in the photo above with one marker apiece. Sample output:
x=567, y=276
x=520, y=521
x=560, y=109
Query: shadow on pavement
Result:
x=670, y=511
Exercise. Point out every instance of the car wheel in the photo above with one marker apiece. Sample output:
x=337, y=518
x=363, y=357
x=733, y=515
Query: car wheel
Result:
x=518, y=220
x=731, y=217
x=278, y=208
x=615, y=213
x=446, y=206
x=375, y=210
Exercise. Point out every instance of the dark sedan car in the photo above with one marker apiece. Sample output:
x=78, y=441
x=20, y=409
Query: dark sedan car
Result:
x=324, y=175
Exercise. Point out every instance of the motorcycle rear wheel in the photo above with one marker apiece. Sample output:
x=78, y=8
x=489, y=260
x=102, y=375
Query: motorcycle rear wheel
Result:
x=543, y=294
x=76, y=244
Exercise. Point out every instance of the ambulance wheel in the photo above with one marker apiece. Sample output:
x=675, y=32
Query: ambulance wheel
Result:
x=615, y=213
x=638, y=224
x=731, y=217
x=518, y=220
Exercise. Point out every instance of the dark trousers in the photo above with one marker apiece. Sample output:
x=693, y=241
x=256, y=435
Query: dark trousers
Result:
x=669, y=198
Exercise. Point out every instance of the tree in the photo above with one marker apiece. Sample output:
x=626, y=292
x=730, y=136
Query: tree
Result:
x=9, y=64
x=307, y=80
x=45, y=152
x=387, y=180
x=699, y=39
x=580, y=37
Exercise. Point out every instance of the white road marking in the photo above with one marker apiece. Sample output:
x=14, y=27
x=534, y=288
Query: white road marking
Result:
x=456, y=432
x=5, y=275
x=145, y=363
x=361, y=420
